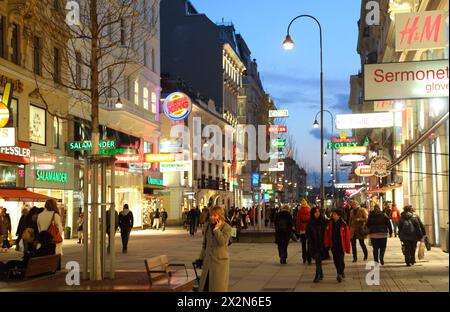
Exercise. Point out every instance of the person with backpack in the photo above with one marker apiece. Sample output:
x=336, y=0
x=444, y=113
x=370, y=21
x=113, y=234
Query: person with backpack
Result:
x=395, y=218
x=411, y=230
x=283, y=232
x=379, y=225
x=337, y=238
x=314, y=231
x=358, y=219
x=214, y=258
x=303, y=217
x=126, y=222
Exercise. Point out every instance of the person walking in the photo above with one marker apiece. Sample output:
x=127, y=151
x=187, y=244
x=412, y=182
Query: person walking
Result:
x=80, y=223
x=395, y=218
x=156, y=219
x=5, y=229
x=164, y=217
x=197, y=218
x=358, y=219
x=379, y=226
x=50, y=216
x=108, y=226
x=126, y=222
x=410, y=230
x=303, y=217
x=337, y=238
x=204, y=216
x=22, y=226
x=314, y=232
x=214, y=257
x=191, y=218
x=283, y=232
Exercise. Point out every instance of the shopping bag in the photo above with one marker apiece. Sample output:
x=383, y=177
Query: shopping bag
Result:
x=427, y=243
x=233, y=232
x=421, y=253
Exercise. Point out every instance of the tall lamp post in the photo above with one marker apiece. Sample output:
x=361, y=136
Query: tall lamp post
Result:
x=316, y=125
x=288, y=44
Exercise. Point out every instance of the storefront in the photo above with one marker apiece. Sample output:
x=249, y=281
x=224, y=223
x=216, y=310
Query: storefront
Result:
x=153, y=197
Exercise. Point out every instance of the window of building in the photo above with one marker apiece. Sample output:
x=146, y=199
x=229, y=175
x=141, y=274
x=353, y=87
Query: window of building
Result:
x=57, y=132
x=128, y=87
x=153, y=60
x=15, y=43
x=148, y=147
x=122, y=31
x=145, y=56
x=2, y=35
x=38, y=125
x=56, y=65
x=218, y=171
x=145, y=98
x=203, y=167
x=110, y=80
x=37, y=55
x=154, y=100
x=209, y=168
x=136, y=92
x=78, y=67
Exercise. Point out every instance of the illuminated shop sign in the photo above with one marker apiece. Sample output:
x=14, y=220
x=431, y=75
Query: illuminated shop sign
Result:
x=279, y=143
x=278, y=113
x=150, y=158
x=7, y=137
x=153, y=181
x=169, y=146
x=347, y=185
x=406, y=80
x=177, y=166
x=364, y=121
x=266, y=187
x=127, y=159
x=51, y=176
x=43, y=159
x=177, y=106
x=87, y=145
x=352, y=150
x=277, y=129
x=424, y=30
x=4, y=103
x=364, y=171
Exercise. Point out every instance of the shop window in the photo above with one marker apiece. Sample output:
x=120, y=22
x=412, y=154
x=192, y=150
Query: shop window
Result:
x=145, y=98
x=38, y=125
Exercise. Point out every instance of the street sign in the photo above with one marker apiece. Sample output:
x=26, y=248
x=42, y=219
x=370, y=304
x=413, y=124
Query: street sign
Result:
x=379, y=166
x=278, y=113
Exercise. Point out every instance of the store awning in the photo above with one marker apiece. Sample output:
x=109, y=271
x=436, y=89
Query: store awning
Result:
x=384, y=189
x=22, y=195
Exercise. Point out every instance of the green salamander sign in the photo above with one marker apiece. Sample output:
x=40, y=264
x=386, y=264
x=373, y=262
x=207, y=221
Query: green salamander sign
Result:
x=152, y=181
x=87, y=145
x=51, y=176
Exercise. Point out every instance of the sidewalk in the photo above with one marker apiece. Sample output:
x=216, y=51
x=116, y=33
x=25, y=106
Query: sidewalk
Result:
x=255, y=267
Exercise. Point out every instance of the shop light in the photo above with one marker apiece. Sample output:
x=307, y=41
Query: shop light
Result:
x=437, y=106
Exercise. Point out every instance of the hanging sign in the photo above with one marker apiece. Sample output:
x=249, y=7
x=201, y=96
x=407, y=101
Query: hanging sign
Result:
x=379, y=166
x=364, y=121
x=176, y=166
x=159, y=158
x=352, y=150
x=278, y=113
x=277, y=129
x=364, y=171
x=177, y=106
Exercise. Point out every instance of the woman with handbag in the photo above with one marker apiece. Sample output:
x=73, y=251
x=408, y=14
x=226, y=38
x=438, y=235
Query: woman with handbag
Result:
x=50, y=220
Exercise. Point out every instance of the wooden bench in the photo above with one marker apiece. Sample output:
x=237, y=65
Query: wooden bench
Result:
x=161, y=277
x=38, y=266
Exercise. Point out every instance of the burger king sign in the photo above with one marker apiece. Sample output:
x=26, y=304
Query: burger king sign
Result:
x=177, y=106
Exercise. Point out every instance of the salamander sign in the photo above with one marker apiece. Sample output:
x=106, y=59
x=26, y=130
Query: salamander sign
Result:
x=407, y=80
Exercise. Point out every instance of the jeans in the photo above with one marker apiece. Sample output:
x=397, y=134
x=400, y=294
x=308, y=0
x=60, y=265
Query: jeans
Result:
x=305, y=248
x=379, y=248
x=156, y=223
x=192, y=228
x=409, y=250
x=319, y=272
x=363, y=247
x=282, y=250
x=395, y=225
x=163, y=225
x=125, y=233
x=338, y=258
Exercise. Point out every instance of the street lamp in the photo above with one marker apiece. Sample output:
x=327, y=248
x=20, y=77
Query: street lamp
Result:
x=325, y=154
x=316, y=124
x=288, y=44
x=119, y=103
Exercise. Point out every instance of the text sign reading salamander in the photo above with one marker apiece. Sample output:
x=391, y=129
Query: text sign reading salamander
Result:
x=407, y=80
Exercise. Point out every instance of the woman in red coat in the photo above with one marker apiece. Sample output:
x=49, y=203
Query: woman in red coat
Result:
x=337, y=237
x=303, y=217
x=395, y=218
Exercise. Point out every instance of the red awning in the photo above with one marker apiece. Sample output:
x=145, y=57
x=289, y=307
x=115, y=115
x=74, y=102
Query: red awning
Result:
x=22, y=195
x=384, y=189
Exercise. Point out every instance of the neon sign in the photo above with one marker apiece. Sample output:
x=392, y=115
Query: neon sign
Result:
x=177, y=106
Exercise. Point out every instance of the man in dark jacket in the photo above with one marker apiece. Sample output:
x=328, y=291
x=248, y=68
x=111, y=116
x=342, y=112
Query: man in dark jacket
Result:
x=108, y=225
x=164, y=217
x=411, y=230
x=314, y=232
x=283, y=232
x=126, y=222
x=379, y=226
x=192, y=220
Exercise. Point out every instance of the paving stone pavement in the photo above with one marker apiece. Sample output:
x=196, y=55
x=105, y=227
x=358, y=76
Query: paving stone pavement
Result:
x=256, y=267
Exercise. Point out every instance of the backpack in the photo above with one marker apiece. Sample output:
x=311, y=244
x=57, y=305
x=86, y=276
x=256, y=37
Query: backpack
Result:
x=408, y=227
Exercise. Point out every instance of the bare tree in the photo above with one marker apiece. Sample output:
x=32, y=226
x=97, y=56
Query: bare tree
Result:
x=87, y=59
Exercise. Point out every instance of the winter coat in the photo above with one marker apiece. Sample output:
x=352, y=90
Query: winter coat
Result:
x=283, y=227
x=379, y=223
x=303, y=216
x=108, y=222
x=164, y=216
x=45, y=219
x=315, y=231
x=216, y=259
x=157, y=214
x=21, y=226
x=126, y=220
x=419, y=229
x=345, y=235
x=358, y=219
x=395, y=215
x=5, y=225
x=192, y=217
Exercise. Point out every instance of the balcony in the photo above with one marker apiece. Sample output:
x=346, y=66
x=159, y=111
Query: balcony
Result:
x=213, y=184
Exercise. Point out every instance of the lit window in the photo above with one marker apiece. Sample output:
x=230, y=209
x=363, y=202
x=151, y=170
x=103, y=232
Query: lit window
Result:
x=145, y=98
x=147, y=147
x=136, y=92
x=154, y=102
